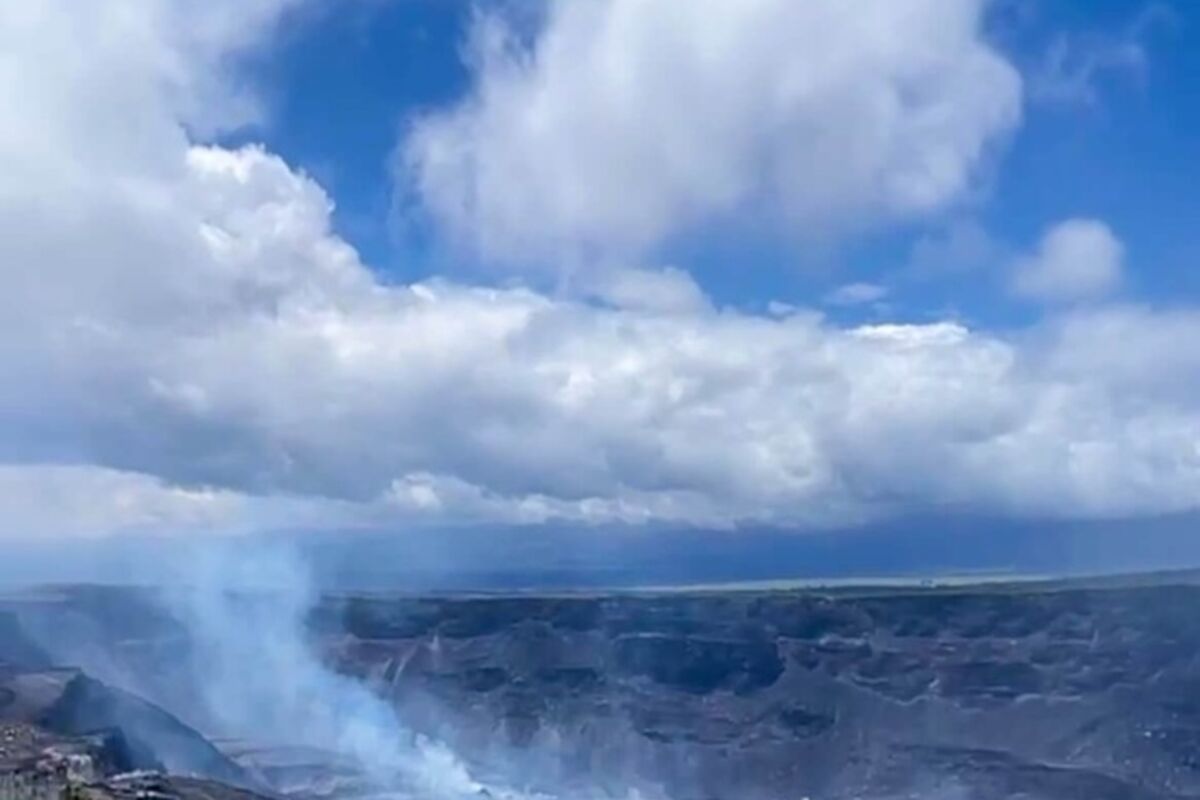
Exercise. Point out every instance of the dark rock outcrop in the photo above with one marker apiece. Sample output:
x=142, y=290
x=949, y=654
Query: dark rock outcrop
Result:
x=36, y=764
x=67, y=702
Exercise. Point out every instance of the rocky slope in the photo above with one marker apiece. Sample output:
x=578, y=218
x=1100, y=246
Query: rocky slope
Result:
x=64, y=734
x=38, y=765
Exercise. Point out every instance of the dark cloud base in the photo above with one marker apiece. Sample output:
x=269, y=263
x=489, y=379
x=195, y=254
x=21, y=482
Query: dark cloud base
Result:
x=551, y=557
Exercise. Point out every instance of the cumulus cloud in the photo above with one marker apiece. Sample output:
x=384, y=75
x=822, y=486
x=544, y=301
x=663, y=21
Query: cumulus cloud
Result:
x=626, y=122
x=294, y=373
x=195, y=348
x=1077, y=259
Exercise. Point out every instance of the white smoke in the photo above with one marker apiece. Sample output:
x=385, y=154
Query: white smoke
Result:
x=234, y=658
x=244, y=607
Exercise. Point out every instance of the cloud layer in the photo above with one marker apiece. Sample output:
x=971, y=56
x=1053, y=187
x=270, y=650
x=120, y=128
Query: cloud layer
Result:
x=191, y=346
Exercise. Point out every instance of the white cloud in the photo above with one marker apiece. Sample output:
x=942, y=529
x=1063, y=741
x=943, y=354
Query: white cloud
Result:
x=855, y=294
x=1076, y=64
x=1077, y=259
x=664, y=290
x=53, y=500
x=1073, y=66
x=627, y=122
x=189, y=336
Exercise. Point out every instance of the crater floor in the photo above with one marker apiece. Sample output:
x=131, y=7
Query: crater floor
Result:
x=1041, y=690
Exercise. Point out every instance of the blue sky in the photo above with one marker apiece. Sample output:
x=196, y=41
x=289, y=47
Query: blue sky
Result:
x=412, y=265
x=340, y=87
x=1115, y=144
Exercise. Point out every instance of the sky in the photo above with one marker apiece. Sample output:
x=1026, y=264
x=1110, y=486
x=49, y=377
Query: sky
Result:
x=393, y=265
